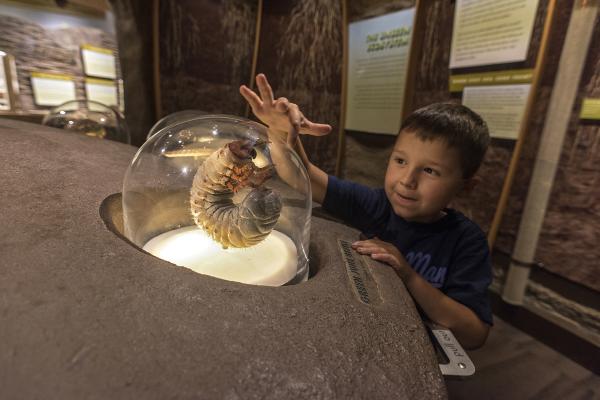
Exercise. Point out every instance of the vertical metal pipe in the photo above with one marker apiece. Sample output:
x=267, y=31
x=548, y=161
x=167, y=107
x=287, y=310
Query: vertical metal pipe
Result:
x=570, y=68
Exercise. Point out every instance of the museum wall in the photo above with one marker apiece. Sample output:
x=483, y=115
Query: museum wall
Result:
x=205, y=54
x=49, y=50
x=300, y=51
x=134, y=26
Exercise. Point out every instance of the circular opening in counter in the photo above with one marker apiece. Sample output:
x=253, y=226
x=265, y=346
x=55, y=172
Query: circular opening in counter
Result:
x=215, y=194
x=111, y=213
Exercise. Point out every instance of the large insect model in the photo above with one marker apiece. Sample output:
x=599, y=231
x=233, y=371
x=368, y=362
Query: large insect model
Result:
x=223, y=173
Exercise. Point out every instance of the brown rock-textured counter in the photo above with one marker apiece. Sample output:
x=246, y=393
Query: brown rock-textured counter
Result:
x=83, y=314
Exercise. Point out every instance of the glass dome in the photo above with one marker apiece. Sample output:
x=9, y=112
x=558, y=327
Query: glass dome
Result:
x=214, y=194
x=173, y=119
x=90, y=118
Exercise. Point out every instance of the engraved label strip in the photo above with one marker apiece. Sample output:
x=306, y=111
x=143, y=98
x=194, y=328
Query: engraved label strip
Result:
x=361, y=282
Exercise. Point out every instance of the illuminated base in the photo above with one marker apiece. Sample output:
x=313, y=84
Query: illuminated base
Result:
x=272, y=262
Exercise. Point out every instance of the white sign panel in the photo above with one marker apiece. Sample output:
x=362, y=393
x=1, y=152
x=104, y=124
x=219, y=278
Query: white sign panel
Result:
x=501, y=106
x=104, y=92
x=51, y=89
x=491, y=31
x=98, y=62
x=4, y=98
x=378, y=51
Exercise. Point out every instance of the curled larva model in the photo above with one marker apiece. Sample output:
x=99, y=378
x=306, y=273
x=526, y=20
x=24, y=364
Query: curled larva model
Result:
x=224, y=172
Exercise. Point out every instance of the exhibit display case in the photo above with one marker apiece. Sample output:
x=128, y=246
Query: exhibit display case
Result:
x=215, y=194
x=89, y=118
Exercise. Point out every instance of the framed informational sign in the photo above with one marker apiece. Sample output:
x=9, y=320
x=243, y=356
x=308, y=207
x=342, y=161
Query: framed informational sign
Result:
x=378, y=52
x=101, y=90
x=491, y=32
x=52, y=89
x=4, y=95
x=590, y=109
x=98, y=62
x=501, y=106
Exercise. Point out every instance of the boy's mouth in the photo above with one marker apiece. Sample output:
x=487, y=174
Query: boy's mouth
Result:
x=404, y=198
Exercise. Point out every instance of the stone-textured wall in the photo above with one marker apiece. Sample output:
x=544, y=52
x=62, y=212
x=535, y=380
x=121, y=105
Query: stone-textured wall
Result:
x=206, y=52
x=37, y=49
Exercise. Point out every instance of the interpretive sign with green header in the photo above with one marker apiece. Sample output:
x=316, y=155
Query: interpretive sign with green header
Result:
x=509, y=77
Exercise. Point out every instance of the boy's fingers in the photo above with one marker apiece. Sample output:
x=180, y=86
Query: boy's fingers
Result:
x=292, y=136
x=311, y=128
x=265, y=90
x=384, y=257
x=296, y=119
x=251, y=97
x=282, y=105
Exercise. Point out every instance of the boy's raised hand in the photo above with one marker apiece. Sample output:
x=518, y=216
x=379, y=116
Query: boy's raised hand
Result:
x=280, y=115
x=386, y=253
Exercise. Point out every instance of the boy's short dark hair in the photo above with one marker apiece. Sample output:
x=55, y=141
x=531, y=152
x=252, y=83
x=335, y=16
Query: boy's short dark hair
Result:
x=458, y=125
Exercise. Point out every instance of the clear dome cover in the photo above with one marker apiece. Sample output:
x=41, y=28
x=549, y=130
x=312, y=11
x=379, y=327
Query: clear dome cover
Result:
x=174, y=118
x=214, y=194
x=89, y=118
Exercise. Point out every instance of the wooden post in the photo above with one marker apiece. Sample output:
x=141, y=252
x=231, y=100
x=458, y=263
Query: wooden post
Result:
x=156, y=56
x=342, y=127
x=414, y=56
x=259, y=13
x=512, y=168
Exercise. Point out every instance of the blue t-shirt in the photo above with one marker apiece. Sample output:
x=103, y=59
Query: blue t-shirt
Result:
x=451, y=253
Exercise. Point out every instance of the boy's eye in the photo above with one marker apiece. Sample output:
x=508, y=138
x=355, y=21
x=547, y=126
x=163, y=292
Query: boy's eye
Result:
x=431, y=171
x=400, y=161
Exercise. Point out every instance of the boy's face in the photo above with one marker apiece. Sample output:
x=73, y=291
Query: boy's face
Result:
x=422, y=177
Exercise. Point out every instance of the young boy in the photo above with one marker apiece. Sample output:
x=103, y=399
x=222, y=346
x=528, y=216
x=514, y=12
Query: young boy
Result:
x=441, y=256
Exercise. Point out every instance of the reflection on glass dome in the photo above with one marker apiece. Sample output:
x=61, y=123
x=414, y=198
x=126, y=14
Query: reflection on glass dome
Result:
x=213, y=194
x=174, y=118
x=90, y=118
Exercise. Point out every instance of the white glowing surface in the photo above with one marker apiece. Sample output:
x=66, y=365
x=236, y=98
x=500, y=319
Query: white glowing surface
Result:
x=272, y=262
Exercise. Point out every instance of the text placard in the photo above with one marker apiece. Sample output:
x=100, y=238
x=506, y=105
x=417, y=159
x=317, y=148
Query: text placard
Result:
x=52, y=89
x=516, y=76
x=378, y=51
x=502, y=107
x=98, y=62
x=491, y=31
x=4, y=95
x=102, y=91
x=590, y=109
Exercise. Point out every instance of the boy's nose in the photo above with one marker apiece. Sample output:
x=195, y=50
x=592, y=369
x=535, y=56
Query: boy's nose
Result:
x=409, y=179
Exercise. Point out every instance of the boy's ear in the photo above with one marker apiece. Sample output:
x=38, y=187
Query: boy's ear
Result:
x=470, y=183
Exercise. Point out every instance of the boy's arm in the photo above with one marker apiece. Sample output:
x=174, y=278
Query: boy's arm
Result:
x=286, y=121
x=470, y=331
